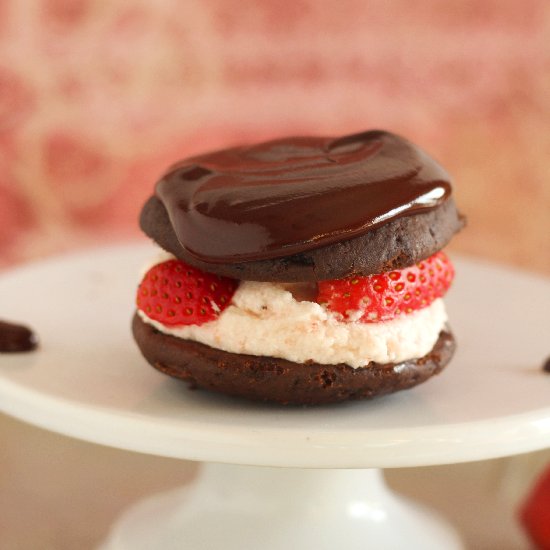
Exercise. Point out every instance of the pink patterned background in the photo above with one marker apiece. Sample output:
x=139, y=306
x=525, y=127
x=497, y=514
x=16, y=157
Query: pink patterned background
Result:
x=96, y=98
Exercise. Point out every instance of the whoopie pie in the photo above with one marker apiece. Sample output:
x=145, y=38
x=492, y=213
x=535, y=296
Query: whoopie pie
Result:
x=302, y=270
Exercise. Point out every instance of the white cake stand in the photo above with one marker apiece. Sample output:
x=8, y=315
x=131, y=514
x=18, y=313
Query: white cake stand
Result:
x=89, y=381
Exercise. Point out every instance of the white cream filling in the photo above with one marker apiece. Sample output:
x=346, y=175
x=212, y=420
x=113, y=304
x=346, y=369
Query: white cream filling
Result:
x=265, y=319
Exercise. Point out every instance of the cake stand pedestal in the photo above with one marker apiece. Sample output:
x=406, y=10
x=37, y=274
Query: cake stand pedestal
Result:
x=275, y=477
x=241, y=507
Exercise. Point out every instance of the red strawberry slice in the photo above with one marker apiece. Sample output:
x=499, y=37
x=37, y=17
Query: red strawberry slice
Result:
x=174, y=293
x=535, y=512
x=385, y=296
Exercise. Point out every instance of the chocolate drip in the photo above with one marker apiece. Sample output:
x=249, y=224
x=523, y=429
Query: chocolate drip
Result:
x=16, y=338
x=291, y=195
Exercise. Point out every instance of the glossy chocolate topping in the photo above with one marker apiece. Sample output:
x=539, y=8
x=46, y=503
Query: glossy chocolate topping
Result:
x=16, y=338
x=291, y=195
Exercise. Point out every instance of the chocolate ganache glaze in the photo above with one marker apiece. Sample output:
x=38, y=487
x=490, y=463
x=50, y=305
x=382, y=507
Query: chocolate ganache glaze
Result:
x=295, y=194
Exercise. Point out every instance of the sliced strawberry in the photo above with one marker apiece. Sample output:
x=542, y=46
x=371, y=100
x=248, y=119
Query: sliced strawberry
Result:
x=174, y=293
x=535, y=512
x=385, y=296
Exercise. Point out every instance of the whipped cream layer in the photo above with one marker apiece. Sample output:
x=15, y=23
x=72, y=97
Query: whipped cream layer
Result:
x=270, y=319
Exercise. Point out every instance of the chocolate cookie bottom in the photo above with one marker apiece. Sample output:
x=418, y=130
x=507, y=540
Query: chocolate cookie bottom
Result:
x=278, y=380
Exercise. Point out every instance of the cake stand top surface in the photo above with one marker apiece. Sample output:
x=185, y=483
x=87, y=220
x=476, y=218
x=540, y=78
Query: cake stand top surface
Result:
x=88, y=380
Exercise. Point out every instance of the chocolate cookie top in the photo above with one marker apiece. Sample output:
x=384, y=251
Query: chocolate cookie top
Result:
x=399, y=243
x=294, y=195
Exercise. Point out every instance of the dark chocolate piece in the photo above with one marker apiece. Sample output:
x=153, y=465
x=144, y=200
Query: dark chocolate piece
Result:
x=294, y=195
x=395, y=245
x=16, y=338
x=278, y=380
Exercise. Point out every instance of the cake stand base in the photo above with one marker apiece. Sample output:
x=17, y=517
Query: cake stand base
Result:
x=245, y=507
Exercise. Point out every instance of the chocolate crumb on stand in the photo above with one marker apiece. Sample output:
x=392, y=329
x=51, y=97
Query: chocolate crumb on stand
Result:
x=15, y=338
